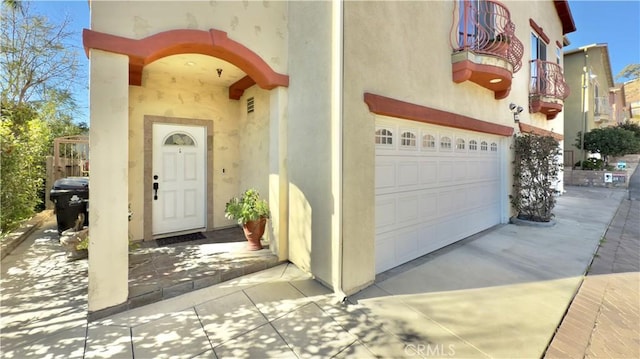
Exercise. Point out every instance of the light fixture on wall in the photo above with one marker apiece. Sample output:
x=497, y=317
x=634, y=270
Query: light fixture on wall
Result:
x=219, y=71
x=515, y=109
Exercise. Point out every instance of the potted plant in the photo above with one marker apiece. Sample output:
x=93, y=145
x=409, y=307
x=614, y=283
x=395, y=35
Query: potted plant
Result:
x=251, y=212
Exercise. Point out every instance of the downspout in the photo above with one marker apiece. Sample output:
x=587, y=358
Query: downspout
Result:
x=337, y=54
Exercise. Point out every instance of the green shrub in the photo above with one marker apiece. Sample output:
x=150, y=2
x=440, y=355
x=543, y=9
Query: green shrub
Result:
x=536, y=167
x=593, y=164
x=24, y=146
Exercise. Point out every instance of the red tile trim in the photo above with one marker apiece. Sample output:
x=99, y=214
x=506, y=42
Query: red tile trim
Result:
x=539, y=31
x=213, y=43
x=539, y=131
x=564, y=13
x=236, y=90
x=386, y=106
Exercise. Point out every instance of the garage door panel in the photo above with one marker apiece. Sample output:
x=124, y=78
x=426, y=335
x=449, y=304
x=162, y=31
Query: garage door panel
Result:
x=407, y=209
x=406, y=245
x=408, y=173
x=431, y=197
x=385, y=252
x=428, y=240
x=445, y=171
x=385, y=212
x=428, y=172
x=428, y=205
x=460, y=171
x=446, y=203
x=385, y=174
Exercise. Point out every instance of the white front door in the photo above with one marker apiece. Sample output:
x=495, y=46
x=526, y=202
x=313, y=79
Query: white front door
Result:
x=179, y=178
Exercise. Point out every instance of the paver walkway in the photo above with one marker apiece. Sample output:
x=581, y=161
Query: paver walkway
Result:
x=501, y=293
x=603, y=320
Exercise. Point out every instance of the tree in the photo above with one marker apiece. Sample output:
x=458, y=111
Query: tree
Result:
x=36, y=56
x=37, y=69
x=13, y=4
x=633, y=127
x=611, y=141
x=631, y=72
x=23, y=146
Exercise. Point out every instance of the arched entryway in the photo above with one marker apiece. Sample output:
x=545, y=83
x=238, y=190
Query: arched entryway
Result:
x=188, y=77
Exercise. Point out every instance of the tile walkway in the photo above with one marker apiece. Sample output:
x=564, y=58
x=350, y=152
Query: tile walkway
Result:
x=603, y=320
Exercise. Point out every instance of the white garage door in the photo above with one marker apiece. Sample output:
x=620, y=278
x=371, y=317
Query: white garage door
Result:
x=434, y=186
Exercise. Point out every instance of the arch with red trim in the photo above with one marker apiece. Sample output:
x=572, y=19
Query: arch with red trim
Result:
x=214, y=43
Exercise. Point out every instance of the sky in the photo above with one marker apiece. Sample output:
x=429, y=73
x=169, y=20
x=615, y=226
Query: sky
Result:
x=616, y=23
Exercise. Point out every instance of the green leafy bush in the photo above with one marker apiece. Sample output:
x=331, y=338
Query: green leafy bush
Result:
x=592, y=164
x=23, y=146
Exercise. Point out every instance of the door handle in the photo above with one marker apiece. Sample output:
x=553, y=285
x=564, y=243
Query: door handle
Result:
x=155, y=190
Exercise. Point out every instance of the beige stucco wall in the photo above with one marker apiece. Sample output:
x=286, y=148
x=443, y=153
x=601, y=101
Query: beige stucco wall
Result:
x=109, y=269
x=592, y=60
x=573, y=105
x=253, y=149
x=410, y=60
x=309, y=136
x=164, y=94
x=259, y=25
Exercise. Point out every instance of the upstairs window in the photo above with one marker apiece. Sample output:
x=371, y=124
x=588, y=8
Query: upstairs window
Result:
x=538, y=52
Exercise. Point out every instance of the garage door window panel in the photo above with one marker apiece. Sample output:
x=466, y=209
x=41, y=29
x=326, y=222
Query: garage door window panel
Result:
x=445, y=143
x=408, y=140
x=384, y=137
x=428, y=142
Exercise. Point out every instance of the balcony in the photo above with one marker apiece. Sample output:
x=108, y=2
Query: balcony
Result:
x=601, y=109
x=548, y=88
x=485, y=48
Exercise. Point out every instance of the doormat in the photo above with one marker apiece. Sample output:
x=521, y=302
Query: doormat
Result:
x=179, y=239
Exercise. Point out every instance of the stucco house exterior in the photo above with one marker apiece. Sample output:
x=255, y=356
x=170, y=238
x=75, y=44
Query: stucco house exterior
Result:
x=589, y=106
x=378, y=131
x=631, y=91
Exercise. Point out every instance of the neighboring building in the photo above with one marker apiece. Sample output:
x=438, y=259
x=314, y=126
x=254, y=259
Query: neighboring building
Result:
x=380, y=131
x=632, y=99
x=619, y=108
x=588, y=72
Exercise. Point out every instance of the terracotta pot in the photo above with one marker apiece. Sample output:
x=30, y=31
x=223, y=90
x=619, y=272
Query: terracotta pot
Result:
x=253, y=231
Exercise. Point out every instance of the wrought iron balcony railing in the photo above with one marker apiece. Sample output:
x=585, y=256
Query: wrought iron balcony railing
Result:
x=485, y=27
x=547, y=80
x=602, y=107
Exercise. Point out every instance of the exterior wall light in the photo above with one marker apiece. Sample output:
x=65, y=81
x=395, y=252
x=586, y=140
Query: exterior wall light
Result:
x=515, y=109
